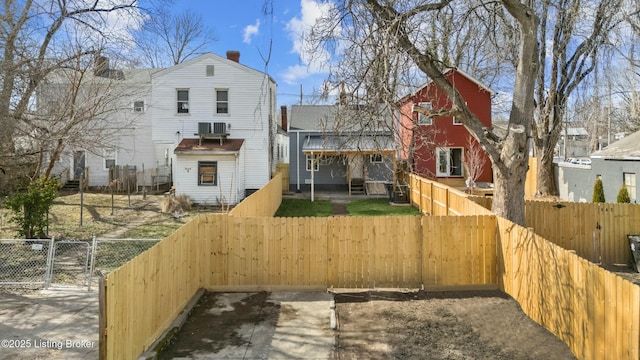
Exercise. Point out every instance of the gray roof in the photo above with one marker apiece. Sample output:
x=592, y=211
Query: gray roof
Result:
x=347, y=144
x=312, y=117
x=579, y=131
x=625, y=148
x=338, y=118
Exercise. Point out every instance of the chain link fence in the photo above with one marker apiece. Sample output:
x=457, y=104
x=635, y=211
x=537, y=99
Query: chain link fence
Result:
x=109, y=254
x=46, y=262
x=25, y=262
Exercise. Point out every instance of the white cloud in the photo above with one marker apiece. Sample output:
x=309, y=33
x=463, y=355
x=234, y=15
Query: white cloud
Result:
x=250, y=31
x=313, y=60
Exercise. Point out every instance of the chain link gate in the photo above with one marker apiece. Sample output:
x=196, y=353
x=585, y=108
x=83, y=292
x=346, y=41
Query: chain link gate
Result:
x=70, y=263
x=25, y=262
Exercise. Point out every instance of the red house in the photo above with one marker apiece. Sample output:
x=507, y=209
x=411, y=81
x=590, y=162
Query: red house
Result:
x=436, y=145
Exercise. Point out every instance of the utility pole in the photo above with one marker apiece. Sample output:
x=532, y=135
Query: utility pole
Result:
x=300, y=94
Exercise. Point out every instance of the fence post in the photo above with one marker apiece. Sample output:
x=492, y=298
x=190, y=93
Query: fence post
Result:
x=92, y=266
x=49, y=273
x=102, y=319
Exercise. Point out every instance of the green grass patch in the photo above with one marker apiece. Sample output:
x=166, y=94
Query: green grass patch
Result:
x=302, y=208
x=378, y=207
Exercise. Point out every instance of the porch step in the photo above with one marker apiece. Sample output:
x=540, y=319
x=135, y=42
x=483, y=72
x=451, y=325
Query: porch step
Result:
x=356, y=187
x=71, y=185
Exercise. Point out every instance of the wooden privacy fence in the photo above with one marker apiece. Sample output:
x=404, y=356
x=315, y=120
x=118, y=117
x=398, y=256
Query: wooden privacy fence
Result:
x=592, y=310
x=264, y=202
x=596, y=231
x=350, y=252
x=433, y=198
x=595, y=312
x=222, y=252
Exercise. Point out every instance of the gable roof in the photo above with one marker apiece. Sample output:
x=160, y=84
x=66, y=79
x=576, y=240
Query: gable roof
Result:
x=627, y=148
x=338, y=118
x=446, y=72
x=214, y=57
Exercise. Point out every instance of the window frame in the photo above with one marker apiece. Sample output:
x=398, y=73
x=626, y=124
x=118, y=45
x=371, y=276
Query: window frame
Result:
x=376, y=158
x=456, y=121
x=629, y=180
x=218, y=91
x=109, y=155
x=422, y=118
x=309, y=159
x=181, y=110
x=207, y=163
x=142, y=108
x=448, y=158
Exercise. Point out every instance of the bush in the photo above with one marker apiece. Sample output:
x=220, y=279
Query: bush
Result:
x=623, y=195
x=598, y=192
x=30, y=208
x=176, y=204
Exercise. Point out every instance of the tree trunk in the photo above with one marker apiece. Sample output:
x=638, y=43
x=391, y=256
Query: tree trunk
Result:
x=508, y=196
x=545, y=176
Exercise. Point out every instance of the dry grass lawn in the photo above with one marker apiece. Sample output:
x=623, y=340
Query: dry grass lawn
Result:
x=127, y=217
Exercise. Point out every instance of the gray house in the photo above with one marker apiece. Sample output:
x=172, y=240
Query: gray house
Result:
x=616, y=164
x=339, y=148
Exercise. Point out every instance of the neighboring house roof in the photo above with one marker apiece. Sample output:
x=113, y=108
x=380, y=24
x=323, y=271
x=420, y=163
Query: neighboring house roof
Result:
x=348, y=144
x=216, y=58
x=627, y=148
x=446, y=72
x=338, y=118
x=137, y=76
x=210, y=147
x=579, y=131
x=312, y=117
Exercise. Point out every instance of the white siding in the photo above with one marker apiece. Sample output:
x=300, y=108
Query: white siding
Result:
x=250, y=109
x=186, y=179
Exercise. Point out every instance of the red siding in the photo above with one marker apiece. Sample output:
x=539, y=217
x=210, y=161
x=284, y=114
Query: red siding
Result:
x=443, y=132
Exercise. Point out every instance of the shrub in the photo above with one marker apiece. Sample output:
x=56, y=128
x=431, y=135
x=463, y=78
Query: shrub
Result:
x=30, y=208
x=176, y=204
x=623, y=195
x=598, y=191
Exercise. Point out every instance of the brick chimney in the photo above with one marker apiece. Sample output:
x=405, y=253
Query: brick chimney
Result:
x=283, y=114
x=233, y=55
x=101, y=66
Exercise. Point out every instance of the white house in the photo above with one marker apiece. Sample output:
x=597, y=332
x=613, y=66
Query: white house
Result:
x=216, y=119
x=95, y=119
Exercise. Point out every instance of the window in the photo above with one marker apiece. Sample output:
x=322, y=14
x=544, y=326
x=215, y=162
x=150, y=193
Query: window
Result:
x=457, y=121
x=449, y=162
x=183, y=101
x=422, y=118
x=207, y=173
x=313, y=159
x=630, y=182
x=109, y=157
x=222, y=101
x=375, y=158
x=209, y=70
x=138, y=106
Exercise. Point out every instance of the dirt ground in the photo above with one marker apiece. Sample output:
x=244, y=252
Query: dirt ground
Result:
x=386, y=325
x=440, y=325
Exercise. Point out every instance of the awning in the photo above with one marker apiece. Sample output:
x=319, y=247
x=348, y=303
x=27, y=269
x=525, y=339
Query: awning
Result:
x=348, y=145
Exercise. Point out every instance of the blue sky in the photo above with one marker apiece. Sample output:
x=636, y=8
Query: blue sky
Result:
x=241, y=25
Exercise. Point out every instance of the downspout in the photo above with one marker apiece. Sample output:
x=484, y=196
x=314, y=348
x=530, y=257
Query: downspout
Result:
x=298, y=161
x=313, y=185
x=237, y=181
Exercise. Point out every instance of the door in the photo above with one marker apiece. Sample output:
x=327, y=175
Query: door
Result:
x=356, y=166
x=78, y=164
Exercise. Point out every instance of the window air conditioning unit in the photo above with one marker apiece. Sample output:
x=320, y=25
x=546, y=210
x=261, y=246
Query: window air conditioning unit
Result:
x=219, y=128
x=204, y=128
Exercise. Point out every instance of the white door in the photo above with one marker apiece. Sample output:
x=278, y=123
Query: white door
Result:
x=356, y=166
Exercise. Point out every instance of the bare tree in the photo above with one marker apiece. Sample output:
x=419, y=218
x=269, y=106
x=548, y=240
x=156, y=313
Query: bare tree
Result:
x=87, y=106
x=386, y=44
x=474, y=161
x=33, y=38
x=574, y=33
x=167, y=39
